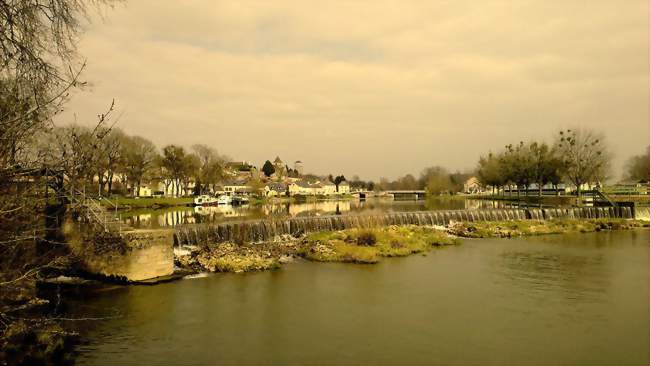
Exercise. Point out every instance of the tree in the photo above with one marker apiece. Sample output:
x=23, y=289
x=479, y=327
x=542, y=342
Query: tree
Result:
x=268, y=168
x=490, y=172
x=38, y=69
x=638, y=167
x=191, y=171
x=173, y=161
x=544, y=166
x=436, y=180
x=38, y=66
x=338, y=180
x=109, y=157
x=584, y=156
x=210, y=167
x=138, y=158
x=521, y=163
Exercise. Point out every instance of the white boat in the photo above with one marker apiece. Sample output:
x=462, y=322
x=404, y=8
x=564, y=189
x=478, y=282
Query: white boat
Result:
x=205, y=200
x=240, y=200
x=224, y=200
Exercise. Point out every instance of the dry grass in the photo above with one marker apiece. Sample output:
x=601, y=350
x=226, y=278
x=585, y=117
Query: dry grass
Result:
x=351, y=246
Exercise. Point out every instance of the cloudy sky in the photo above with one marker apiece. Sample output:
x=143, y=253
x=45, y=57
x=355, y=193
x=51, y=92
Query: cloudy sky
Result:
x=374, y=88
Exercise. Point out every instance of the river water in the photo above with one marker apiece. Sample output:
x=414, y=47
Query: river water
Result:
x=169, y=217
x=579, y=299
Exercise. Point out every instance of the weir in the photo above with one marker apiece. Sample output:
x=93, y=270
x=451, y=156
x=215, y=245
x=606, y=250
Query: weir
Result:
x=269, y=229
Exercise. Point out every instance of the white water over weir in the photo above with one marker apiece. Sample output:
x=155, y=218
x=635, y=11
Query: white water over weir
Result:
x=270, y=229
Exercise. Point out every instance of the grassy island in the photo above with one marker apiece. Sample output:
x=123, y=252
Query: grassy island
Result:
x=507, y=229
x=348, y=246
x=369, y=246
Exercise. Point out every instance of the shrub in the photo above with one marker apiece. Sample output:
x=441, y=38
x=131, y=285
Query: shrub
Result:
x=367, y=238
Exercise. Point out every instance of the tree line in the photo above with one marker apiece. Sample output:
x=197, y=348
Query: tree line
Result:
x=93, y=159
x=436, y=180
x=578, y=156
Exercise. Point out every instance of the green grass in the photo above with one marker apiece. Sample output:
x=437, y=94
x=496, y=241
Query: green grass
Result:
x=125, y=202
x=344, y=246
x=506, y=229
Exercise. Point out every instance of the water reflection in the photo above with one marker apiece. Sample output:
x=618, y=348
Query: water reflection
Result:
x=190, y=215
x=555, y=300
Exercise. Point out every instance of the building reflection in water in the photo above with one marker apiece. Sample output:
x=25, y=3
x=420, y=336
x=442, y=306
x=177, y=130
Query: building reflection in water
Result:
x=171, y=217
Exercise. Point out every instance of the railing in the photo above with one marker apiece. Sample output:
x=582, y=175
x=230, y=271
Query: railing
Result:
x=603, y=196
x=97, y=213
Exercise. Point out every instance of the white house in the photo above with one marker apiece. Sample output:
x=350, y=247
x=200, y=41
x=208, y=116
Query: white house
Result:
x=301, y=188
x=275, y=189
x=344, y=188
x=328, y=188
x=234, y=187
x=170, y=188
x=472, y=185
x=144, y=191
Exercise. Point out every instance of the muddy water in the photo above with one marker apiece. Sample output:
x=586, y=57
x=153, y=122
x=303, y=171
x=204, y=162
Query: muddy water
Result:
x=579, y=299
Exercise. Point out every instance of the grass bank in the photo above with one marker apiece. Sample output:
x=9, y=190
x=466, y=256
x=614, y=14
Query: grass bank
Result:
x=548, y=200
x=160, y=202
x=507, y=229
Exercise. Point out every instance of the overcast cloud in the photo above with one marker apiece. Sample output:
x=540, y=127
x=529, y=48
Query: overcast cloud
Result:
x=374, y=88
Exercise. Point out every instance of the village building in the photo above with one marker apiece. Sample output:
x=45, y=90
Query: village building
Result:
x=326, y=188
x=280, y=167
x=344, y=188
x=144, y=191
x=172, y=188
x=472, y=186
x=329, y=188
x=275, y=189
x=299, y=167
x=301, y=188
x=237, y=187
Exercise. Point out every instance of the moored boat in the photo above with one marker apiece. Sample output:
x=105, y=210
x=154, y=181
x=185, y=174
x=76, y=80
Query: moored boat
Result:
x=224, y=200
x=205, y=200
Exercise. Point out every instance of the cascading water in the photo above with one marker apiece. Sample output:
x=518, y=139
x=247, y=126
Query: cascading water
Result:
x=271, y=229
x=642, y=213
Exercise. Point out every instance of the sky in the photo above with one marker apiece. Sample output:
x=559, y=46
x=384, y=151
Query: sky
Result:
x=371, y=88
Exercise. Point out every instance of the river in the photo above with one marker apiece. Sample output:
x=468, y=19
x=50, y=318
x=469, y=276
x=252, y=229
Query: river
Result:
x=579, y=299
x=169, y=217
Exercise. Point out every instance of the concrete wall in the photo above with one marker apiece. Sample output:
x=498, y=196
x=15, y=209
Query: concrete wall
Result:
x=135, y=255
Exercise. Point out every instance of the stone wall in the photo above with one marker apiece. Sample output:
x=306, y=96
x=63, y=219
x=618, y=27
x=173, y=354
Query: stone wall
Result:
x=131, y=256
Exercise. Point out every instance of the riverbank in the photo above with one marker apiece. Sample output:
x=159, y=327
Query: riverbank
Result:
x=557, y=200
x=299, y=199
x=131, y=203
x=509, y=229
x=126, y=203
x=531, y=199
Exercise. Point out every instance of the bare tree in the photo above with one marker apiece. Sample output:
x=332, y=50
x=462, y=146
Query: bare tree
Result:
x=210, y=169
x=138, y=158
x=173, y=161
x=38, y=66
x=584, y=156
